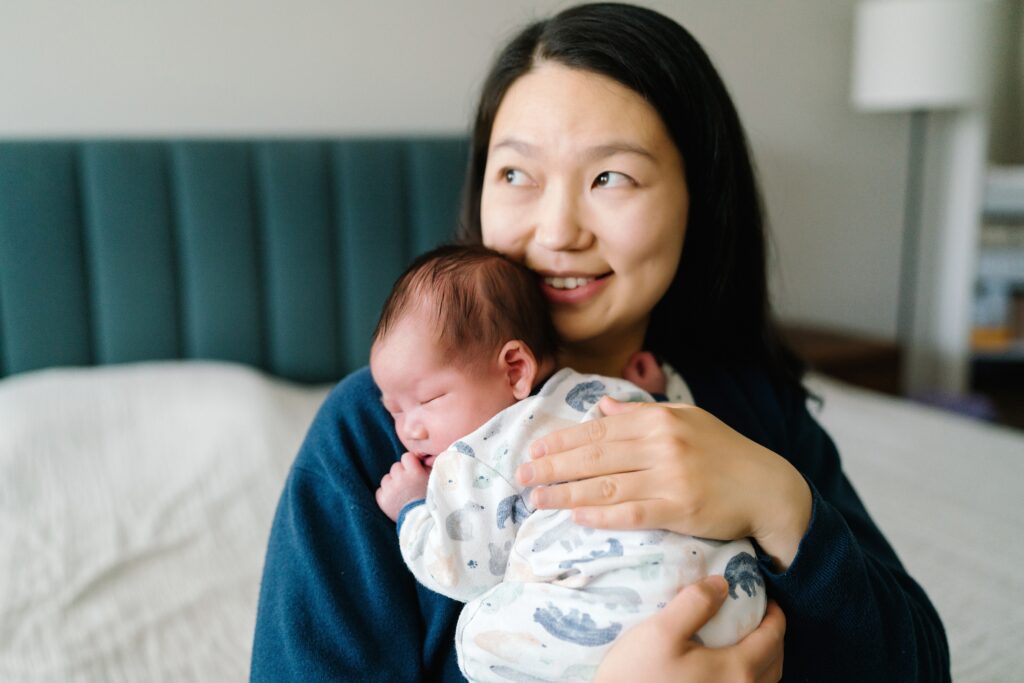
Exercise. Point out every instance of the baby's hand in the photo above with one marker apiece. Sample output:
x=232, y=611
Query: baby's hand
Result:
x=406, y=482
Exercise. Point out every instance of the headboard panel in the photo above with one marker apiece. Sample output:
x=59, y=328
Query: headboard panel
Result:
x=276, y=254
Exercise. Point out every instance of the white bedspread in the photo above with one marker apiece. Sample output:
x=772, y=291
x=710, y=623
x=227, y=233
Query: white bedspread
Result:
x=948, y=492
x=135, y=503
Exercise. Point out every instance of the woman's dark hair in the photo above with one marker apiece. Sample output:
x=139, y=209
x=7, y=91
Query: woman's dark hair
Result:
x=717, y=307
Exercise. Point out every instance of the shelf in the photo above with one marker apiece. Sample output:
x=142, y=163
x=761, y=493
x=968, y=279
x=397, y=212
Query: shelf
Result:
x=996, y=344
x=1004, y=194
x=1013, y=353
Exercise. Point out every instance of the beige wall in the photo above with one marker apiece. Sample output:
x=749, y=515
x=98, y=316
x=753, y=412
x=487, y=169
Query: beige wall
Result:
x=833, y=178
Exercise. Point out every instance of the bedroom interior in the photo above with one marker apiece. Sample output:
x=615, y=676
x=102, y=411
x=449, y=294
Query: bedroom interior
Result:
x=186, y=268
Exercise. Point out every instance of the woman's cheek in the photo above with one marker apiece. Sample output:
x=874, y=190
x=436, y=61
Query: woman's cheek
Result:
x=504, y=231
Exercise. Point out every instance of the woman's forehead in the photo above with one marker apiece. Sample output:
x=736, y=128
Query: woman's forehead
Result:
x=555, y=109
x=553, y=100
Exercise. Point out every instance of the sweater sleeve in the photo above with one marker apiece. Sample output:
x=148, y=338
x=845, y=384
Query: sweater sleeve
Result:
x=336, y=600
x=853, y=613
x=457, y=544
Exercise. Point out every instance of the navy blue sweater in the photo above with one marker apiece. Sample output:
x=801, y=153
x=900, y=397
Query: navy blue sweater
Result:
x=337, y=602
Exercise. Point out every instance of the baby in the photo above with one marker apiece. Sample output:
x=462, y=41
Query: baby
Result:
x=463, y=343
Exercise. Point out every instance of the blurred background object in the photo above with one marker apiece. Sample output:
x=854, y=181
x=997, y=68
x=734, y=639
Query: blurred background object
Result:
x=834, y=178
x=922, y=56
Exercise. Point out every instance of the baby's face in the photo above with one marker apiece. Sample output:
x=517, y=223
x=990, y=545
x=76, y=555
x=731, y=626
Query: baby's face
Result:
x=433, y=399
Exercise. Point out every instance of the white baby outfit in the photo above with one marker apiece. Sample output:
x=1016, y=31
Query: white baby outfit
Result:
x=546, y=597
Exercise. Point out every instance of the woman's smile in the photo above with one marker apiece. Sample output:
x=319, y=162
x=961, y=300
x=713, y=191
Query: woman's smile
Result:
x=586, y=188
x=573, y=289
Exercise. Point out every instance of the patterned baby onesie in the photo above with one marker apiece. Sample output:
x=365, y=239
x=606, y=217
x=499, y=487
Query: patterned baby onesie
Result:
x=546, y=597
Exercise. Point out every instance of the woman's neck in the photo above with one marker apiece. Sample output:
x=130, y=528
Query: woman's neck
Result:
x=601, y=357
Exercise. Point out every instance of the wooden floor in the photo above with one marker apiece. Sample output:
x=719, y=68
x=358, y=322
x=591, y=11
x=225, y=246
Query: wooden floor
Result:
x=996, y=391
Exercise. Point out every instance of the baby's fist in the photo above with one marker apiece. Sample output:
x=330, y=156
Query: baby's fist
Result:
x=406, y=482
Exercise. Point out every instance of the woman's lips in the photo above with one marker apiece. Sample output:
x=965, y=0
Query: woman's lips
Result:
x=578, y=294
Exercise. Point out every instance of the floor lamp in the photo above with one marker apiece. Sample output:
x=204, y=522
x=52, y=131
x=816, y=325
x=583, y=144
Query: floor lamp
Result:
x=924, y=57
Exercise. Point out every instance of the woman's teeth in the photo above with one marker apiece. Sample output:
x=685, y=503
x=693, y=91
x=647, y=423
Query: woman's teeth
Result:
x=567, y=282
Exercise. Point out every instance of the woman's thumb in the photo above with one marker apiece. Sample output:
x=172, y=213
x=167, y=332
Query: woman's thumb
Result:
x=693, y=606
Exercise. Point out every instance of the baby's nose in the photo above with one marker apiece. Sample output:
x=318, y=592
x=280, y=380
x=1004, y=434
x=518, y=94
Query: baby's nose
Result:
x=416, y=430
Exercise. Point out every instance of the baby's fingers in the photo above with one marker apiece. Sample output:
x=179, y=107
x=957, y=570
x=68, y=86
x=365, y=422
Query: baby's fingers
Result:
x=411, y=463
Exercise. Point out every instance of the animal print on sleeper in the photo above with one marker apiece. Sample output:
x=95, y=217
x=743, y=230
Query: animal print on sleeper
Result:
x=545, y=597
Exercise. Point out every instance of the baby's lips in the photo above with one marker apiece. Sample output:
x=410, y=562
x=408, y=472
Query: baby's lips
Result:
x=426, y=458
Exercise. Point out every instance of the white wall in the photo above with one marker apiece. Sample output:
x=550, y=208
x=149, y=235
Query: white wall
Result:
x=833, y=178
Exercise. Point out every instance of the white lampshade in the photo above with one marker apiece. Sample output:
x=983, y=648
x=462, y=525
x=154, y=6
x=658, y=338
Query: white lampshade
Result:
x=923, y=54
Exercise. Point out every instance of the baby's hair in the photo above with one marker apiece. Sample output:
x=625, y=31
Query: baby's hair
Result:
x=480, y=299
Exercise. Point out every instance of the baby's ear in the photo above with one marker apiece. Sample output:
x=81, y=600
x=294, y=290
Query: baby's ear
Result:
x=519, y=366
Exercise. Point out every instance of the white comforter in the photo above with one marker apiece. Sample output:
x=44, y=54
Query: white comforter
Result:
x=135, y=503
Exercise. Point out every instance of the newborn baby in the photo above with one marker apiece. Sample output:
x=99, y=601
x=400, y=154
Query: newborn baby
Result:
x=462, y=356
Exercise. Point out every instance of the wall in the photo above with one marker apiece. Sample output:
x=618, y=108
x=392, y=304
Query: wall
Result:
x=833, y=178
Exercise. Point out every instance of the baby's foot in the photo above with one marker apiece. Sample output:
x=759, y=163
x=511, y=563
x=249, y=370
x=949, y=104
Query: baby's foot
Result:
x=642, y=369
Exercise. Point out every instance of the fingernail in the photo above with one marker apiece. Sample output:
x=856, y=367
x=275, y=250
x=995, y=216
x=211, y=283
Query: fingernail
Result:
x=718, y=584
x=525, y=473
x=537, y=498
x=537, y=450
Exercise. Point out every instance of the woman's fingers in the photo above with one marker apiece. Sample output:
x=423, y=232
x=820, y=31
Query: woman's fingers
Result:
x=611, y=406
x=631, y=421
x=692, y=607
x=763, y=649
x=584, y=462
x=655, y=513
x=606, y=490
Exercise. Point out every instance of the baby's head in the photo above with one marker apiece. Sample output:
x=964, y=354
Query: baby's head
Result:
x=464, y=334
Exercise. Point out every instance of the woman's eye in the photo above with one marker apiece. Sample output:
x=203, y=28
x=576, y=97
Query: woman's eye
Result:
x=513, y=176
x=612, y=179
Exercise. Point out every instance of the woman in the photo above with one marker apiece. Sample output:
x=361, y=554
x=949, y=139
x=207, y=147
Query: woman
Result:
x=608, y=157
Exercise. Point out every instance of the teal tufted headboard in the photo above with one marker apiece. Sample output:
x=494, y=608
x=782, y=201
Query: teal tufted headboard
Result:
x=276, y=254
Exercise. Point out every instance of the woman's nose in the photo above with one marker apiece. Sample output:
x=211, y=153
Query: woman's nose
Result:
x=558, y=226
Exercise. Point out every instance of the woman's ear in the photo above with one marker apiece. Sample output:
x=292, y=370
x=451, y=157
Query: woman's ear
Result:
x=519, y=366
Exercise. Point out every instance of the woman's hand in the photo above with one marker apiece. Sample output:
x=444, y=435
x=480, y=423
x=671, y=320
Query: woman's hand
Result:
x=675, y=467
x=662, y=644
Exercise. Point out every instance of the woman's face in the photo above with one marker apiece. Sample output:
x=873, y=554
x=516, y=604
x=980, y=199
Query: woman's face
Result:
x=584, y=185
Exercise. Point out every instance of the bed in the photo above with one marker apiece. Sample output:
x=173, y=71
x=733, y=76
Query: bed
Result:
x=173, y=312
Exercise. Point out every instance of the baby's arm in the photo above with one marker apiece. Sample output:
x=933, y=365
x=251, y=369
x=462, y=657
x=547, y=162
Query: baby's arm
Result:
x=457, y=541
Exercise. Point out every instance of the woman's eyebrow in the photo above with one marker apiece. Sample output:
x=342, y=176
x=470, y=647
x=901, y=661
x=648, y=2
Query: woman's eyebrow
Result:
x=521, y=146
x=594, y=153
x=612, y=148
